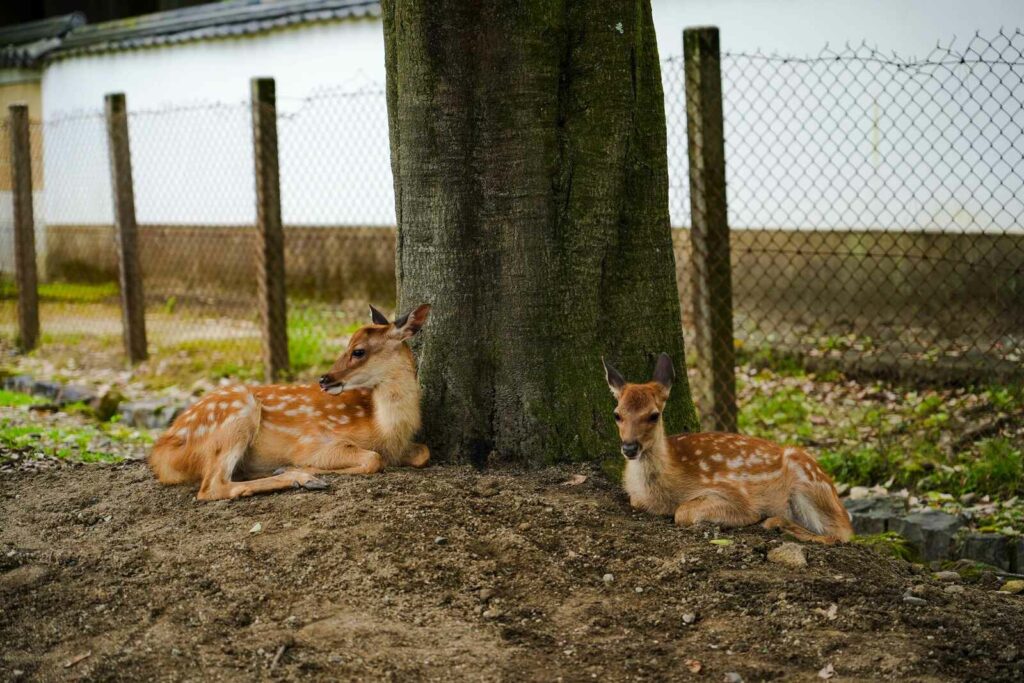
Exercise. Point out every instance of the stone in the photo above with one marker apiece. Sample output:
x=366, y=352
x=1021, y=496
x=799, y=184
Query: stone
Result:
x=19, y=383
x=733, y=677
x=689, y=618
x=50, y=390
x=873, y=515
x=953, y=589
x=150, y=414
x=931, y=532
x=105, y=404
x=858, y=492
x=440, y=540
x=608, y=578
x=70, y=393
x=1014, y=586
x=789, y=555
x=912, y=600
x=992, y=549
x=1017, y=556
x=947, y=576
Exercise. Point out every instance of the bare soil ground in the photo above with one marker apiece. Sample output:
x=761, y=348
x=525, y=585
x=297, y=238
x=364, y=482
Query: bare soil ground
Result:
x=450, y=574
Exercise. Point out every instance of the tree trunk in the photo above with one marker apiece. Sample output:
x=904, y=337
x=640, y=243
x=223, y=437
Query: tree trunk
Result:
x=531, y=188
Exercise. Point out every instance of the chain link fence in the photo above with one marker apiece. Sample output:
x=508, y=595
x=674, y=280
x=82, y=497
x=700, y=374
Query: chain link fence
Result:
x=875, y=208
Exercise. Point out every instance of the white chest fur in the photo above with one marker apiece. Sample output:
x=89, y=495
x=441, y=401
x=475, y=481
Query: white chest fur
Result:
x=396, y=411
x=646, y=487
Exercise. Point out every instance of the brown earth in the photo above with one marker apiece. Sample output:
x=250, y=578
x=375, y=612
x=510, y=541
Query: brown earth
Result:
x=449, y=574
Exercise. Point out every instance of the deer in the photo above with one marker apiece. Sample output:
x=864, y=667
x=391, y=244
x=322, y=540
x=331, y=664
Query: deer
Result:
x=359, y=418
x=719, y=478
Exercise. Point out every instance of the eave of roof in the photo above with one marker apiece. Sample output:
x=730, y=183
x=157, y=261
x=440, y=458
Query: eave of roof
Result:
x=204, y=22
x=24, y=45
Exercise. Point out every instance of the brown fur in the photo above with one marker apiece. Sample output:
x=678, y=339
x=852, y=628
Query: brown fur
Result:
x=725, y=479
x=240, y=432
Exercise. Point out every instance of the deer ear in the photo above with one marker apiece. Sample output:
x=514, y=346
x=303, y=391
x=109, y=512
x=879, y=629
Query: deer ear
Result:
x=664, y=373
x=410, y=323
x=614, y=378
x=377, y=317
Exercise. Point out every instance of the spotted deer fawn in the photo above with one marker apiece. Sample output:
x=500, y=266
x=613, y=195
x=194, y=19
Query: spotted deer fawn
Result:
x=724, y=479
x=360, y=419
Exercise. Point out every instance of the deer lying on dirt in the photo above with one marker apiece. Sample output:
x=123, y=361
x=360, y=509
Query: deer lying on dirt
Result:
x=723, y=479
x=359, y=420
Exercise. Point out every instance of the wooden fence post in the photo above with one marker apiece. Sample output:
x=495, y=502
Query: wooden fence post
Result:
x=24, y=228
x=270, y=270
x=133, y=301
x=710, y=261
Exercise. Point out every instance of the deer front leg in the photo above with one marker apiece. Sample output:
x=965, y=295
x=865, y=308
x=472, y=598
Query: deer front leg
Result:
x=417, y=456
x=725, y=510
x=341, y=458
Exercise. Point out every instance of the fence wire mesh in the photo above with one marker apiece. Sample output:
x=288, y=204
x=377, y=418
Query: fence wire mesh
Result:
x=875, y=207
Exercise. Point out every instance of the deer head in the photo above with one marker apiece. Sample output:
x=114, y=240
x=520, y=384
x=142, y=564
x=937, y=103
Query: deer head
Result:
x=375, y=352
x=639, y=406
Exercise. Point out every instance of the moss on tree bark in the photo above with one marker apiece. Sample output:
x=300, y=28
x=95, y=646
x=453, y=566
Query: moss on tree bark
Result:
x=531, y=186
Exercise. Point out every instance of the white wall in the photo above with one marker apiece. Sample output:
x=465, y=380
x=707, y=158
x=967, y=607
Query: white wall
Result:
x=191, y=128
x=193, y=165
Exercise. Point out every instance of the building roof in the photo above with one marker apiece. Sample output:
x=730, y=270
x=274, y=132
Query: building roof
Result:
x=214, y=20
x=23, y=45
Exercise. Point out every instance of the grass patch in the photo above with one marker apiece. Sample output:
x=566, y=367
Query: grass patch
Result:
x=15, y=399
x=66, y=292
x=889, y=543
x=784, y=411
x=79, y=443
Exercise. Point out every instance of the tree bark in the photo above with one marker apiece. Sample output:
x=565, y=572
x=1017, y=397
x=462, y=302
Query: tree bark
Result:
x=531, y=187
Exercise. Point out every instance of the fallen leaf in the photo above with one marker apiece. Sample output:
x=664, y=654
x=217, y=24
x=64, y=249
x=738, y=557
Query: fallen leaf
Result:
x=827, y=672
x=256, y=528
x=721, y=541
x=694, y=665
x=575, y=480
x=76, y=659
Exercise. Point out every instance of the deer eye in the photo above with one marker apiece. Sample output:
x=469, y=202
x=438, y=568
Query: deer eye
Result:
x=654, y=417
x=618, y=418
x=359, y=353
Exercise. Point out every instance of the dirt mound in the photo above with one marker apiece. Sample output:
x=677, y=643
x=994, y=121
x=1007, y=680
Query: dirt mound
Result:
x=448, y=574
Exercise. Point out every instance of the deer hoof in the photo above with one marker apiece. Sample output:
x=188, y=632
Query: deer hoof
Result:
x=313, y=484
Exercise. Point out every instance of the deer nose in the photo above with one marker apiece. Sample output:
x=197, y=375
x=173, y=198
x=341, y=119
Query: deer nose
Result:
x=631, y=449
x=325, y=381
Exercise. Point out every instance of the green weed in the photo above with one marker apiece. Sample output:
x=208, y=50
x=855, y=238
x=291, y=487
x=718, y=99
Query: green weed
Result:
x=13, y=399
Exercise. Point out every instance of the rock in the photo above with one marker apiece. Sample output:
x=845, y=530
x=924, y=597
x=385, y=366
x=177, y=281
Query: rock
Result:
x=947, y=576
x=931, y=532
x=1014, y=586
x=913, y=600
x=954, y=589
x=788, y=554
x=486, y=594
x=992, y=549
x=150, y=414
x=733, y=677
x=440, y=540
x=105, y=404
x=608, y=578
x=859, y=492
x=873, y=515
x=19, y=383
x=689, y=618
x=1017, y=556
x=46, y=388
x=70, y=393
x=492, y=613
x=968, y=498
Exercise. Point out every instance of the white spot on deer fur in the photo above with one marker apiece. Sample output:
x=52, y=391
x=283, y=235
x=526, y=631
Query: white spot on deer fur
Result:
x=343, y=419
x=190, y=416
x=306, y=439
x=200, y=430
x=699, y=452
x=705, y=466
x=237, y=404
x=281, y=428
x=210, y=417
x=734, y=463
x=717, y=457
x=183, y=432
x=223, y=405
x=360, y=412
